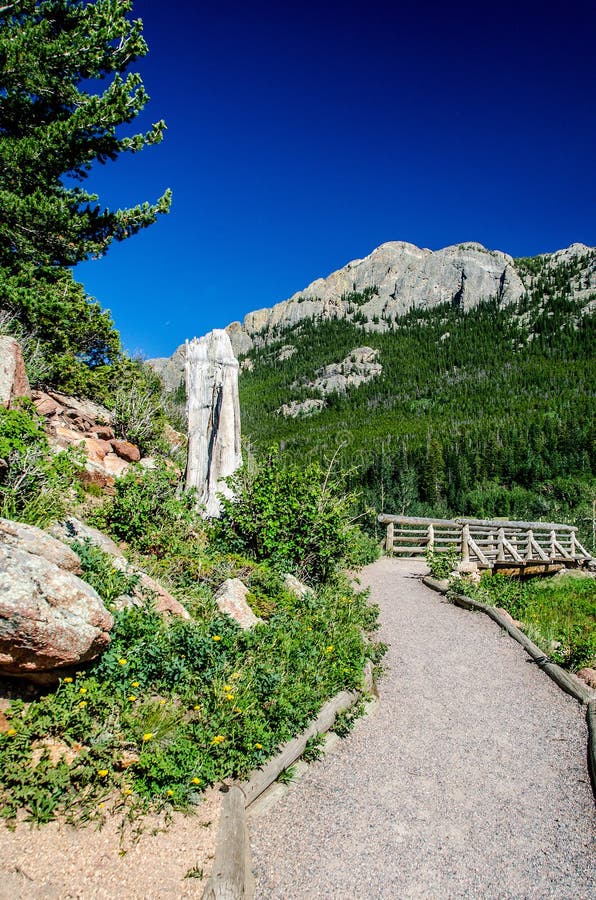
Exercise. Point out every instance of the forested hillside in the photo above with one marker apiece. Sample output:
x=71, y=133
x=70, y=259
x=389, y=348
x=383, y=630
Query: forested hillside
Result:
x=487, y=412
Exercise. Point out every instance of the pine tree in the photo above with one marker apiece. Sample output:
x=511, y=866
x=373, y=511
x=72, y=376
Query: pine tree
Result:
x=53, y=127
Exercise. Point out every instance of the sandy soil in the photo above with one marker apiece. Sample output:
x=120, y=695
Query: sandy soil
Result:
x=469, y=781
x=59, y=861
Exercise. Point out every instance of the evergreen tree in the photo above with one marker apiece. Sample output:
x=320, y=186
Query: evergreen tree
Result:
x=53, y=127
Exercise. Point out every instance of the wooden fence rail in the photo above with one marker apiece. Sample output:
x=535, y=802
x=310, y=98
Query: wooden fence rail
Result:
x=489, y=543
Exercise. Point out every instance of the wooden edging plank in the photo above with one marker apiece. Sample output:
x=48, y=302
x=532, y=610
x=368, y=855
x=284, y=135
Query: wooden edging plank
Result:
x=565, y=680
x=231, y=877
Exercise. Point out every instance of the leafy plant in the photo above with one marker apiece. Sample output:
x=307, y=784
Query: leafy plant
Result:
x=442, y=564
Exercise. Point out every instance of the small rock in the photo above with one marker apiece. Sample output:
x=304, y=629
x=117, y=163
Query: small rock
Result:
x=102, y=432
x=127, y=451
x=114, y=465
x=294, y=586
x=165, y=603
x=231, y=600
x=95, y=449
x=45, y=406
x=589, y=676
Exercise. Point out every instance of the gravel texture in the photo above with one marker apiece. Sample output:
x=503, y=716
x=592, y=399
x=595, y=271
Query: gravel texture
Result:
x=469, y=780
x=59, y=862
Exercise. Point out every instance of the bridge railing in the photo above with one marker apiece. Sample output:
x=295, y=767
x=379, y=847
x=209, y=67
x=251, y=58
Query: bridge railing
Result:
x=484, y=541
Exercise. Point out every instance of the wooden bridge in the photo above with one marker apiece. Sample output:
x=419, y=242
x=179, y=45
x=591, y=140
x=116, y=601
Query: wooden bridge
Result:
x=494, y=544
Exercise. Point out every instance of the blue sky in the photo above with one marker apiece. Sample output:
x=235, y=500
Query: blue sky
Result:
x=303, y=135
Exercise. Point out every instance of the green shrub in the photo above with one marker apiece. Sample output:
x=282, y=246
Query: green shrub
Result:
x=35, y=486
x=441, y=564
x=148, y=511
x=289, y=515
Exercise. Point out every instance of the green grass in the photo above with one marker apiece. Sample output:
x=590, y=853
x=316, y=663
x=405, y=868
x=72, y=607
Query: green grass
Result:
x=559, y=614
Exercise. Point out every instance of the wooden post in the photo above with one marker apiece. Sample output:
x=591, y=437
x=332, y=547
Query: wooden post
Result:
x=465, y=546
x=501, y=539
x=529, y=547
x=389, y=540
x=553, y=544
x=573, y=544
x=431, y=537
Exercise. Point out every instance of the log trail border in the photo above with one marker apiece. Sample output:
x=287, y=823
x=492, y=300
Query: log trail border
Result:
x=231, y=877
x=565, y=680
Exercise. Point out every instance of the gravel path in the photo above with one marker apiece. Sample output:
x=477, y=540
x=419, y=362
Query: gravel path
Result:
x=468, y=780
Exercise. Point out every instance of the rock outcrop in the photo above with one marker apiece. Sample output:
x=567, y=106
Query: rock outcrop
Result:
x=387, y=283
x=13, y=377
x=49, y=617
x=300, y=408
x=357, y=368
x=213, y=417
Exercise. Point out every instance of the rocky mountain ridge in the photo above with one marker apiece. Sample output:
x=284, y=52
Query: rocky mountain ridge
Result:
x=394, y=278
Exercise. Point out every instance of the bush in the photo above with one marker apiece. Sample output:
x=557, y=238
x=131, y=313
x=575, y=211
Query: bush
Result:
x=148, y=512
x=291, y=516
x=441, y=564
x=35, y=486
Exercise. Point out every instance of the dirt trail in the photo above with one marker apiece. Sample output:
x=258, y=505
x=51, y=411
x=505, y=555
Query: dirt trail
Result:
x=469, y=780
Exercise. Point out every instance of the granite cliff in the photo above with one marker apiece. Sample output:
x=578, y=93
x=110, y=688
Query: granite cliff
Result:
x=391, y=280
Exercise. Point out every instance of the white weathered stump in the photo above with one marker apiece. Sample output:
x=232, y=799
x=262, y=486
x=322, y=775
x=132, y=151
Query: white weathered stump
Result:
x=213, y=417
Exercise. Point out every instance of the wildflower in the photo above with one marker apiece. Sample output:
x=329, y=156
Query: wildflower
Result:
x=170, y=793
x=196, y=707
x=227, y=687
x=162, y=702
x=101, y=805
x=132, y=698
x=235, y=675
x=196, y=780
x=102, y=773
x=218, y=739
x=229, y=696
x=11, y=732
x=258, y=746
x=122, y=661
x=83, y=691
x=237, y=709
x=67, y=680
x=329, y=649
x=127, y=792
x=83, y=703
x=136, y=683
x=147, y=736
x=216, y=637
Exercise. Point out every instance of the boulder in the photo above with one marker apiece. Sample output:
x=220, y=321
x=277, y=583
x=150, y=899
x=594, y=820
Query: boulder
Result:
x=102, y=432
x=165, y=603
x=95, y=449
x=49, y=618
x=231, y=600
x=85, y=409
x=72, y=529
x=127, y=451
x=37, y=542
x=44, y=404
x=13, y=377
x=213, y=418
x=294, y=586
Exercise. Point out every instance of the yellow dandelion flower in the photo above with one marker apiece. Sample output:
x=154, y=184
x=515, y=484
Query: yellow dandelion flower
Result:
x=102, y=773
x=235, y=675
x=329, y=649
x=127, y=792
x=227, y=687
x=83, y=703
x=162, y=702
x=136, y=683
x=196, y=780
x=170, y=793
x=122, y=662
x=258, y=746
x=132, y=698
x=218, y=739
x=83, y=691
x=147, y=736
x=229, y=696
x=101, y=805
x=196, y=707
x=216, y=637
x=67, y=680
x=237, y=709
x=11, y=732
